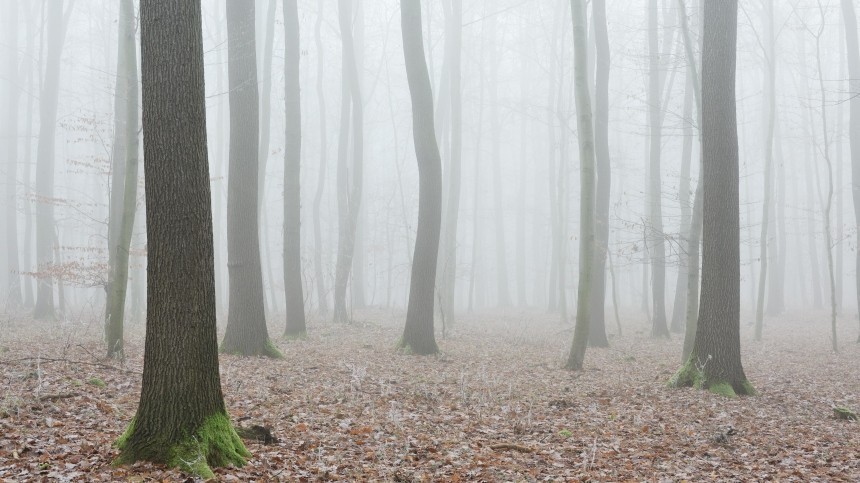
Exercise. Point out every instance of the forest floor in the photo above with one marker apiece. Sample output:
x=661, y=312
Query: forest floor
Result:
x=346, y=405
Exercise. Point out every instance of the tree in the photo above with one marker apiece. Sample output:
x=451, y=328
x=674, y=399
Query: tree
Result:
x=349, y=197
x=448, y=265
x=656, y=245
x=9, y=123
x=181, y=419
x=246, y=331
x=418, y=334
x=715, y=360
x=853, y=53
x=124, y=180
x=770, y=89
x=322, y=299
x=585, y=127
x=57, y=21
x=597, y=331
x=292, y=170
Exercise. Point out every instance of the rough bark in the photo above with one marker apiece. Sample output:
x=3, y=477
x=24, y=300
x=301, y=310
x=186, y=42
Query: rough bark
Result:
x=181, y=419
x=585, y=127
x=246, y=332
x=715, y=361
x=125, y=196
x=292, y=171
x=597, y=331
x=418, y=335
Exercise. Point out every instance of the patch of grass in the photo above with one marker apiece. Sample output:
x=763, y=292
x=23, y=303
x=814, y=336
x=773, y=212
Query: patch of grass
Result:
x=95, y=381
x=844, y=413
x=565, y=433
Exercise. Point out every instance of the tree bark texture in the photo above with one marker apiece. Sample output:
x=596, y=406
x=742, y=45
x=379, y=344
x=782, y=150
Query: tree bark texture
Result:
x=181, y=419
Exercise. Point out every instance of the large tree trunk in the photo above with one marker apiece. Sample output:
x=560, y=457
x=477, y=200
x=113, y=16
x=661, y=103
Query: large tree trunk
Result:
x=715, y=362
x=124, y=188
x=181, y=419
x=48, y=99
x=656, y=245
x=246, y=332
x=292, y=170
x=349, y=197
x=418, y=334
x=319, y=274
x=597, y=332
x=585, y=127
x=853, y=53
x=9, y=129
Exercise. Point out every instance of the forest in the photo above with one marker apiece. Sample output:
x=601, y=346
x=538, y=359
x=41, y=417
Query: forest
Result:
x=438, y=240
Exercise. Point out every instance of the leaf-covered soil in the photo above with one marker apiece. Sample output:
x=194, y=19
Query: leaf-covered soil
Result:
x=495, y=405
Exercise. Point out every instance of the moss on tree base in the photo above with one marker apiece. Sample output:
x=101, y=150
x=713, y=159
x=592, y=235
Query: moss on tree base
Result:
x=691, y=375
x=215, y=443
x=267, y=350
x=423, y=349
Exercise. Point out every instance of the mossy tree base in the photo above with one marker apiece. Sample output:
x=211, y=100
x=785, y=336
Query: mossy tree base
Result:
x=297, y=335
x=265, y=350
x=419, y=348
x=690, y=375
x=214, y=444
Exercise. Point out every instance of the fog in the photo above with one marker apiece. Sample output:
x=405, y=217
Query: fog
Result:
x=518, y=148
x=577, y=209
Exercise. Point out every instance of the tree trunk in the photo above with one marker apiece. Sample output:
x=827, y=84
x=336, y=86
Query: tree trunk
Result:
x=418, y=334
x=853, y=53
x=319, y=274
x=181, y=419
x=656, y=245
x=292, y=170
x=597, y=331
x=770, y=116
x=452, y=206
x=246, y=332
x=715, y=361
x=56, y=27
x=503, y=293
x=124, y=192
x=9, y=122
x=585, y=127
x=349, y=198
x=828, y=202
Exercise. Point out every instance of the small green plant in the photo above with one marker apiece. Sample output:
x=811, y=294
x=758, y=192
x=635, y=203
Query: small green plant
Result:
x=44, y=466
x=95, y=381
x=565, y=433
x=844, y=414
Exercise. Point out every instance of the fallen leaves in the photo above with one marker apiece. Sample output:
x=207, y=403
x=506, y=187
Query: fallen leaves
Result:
x=495, y=406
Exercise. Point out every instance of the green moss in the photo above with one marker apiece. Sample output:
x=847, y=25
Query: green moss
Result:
x=565, y=433
x=95, y=381
x=844, y=413
x=298, y=336
x=272, y=351
x=748, y=389
x=723, y=389
x=214, y=444
x=688, y=376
